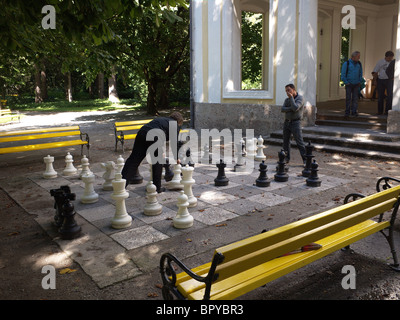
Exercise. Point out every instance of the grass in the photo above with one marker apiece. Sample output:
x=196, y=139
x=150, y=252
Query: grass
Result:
x=76, y=106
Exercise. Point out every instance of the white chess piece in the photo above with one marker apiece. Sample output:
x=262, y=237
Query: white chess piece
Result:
x=89, y=195
x=49, y=173
x=121, y=218
x=69, y=170
x=187, y=182
x=250, y=147
x=260, y=150
x=109, y=175
x=152, y=207
x=120, y=165
x=206, y=155
x=175, y=183
x=183, y=219
x=85, y=166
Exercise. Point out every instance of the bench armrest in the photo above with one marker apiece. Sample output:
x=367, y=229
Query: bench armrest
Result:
x=354, y=197
x=168, y=275
x=383, y=183
x=86, y=137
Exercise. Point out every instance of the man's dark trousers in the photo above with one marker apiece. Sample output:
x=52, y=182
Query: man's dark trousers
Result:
x=293, y=127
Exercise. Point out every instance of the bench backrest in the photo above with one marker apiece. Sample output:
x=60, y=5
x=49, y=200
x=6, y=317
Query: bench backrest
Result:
x=35, y=131
x=129, y=123
x=244, y=254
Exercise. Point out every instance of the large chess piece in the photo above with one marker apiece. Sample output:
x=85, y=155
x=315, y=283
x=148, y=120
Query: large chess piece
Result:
x=152, y=207
x=121, y=218
x=85, y=166
x=168, y=172
x=241, y=154
x=262, y=180
x=251, y=148
x=89, y=195
x=313, y=180
x=260, y=150
x=281, y=175
x=206, y=158
x=307, y=169
x=69, y=229
x=188, y=181
x=119, y=165
x=175, y=183
x=109, y=175
x=69, y=170
x=221, y=179
x=49, y=173
x=59, y=195
x=183, y=219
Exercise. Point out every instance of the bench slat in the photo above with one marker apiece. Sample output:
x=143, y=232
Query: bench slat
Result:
x=128, y=123
x=40, y=136
x=263, y=240
x=259, y=275
x=42, y=146
x=292, y=243
x=124, y=128
x=26, y=132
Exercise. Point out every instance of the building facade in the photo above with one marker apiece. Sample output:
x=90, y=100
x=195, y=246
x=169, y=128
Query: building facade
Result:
x=301, y=42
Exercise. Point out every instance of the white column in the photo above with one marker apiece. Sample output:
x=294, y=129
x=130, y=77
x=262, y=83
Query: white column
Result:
x=197, y=56
x=396, y=87
x=307, y=54
x=214, y=51
x=286, y=45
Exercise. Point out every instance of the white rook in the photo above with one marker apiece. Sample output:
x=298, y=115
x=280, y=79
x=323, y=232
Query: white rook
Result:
x=49, y=173
x=121, y=218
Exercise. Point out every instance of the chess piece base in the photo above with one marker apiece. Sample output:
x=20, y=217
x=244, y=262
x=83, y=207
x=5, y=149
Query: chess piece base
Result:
x=121, y=223
x=281, y=178
x=263, y=183
x=183, y=223
x=313, y=183
x=72, y=232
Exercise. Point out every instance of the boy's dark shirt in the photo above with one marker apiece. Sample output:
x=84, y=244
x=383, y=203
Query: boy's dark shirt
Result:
x=160, y=123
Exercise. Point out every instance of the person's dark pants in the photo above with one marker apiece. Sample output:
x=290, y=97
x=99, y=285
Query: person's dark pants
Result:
x=289, y=128
x=385, y=84
x=352, y=91
x=139, y=151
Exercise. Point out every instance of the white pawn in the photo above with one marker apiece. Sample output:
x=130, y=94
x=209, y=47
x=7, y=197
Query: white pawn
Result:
x=250, y=147
x=152, y=207
x=109, y=175
x=175, y=183
x=206, y=155
x=89, y=195
x=188, y=181
x=85, y=166
x=120, y=165
x=121, y=218
x=69, y=170
x=183, y=219
x=260, y=147
x=49, y=173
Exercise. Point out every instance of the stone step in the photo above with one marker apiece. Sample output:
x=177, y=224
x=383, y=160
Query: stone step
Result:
x=352, y=124
x=342, y=150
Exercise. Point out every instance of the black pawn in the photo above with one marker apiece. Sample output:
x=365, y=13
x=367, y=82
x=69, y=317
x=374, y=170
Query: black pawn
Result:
x=69, y=229
x=281, y=175
x=313, y=180
x=221, y=179
x=263, y=180
x=307, y=169
x=59, y=198
x=169, y=174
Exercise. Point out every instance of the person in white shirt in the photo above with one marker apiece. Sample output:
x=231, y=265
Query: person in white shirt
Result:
x=384, y=83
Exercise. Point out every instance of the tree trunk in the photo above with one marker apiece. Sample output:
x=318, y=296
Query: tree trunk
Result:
x=112, y=88
x=38, y=90
x=68, y=87
x=100, y=85
x=152, y=97
x=163, y=95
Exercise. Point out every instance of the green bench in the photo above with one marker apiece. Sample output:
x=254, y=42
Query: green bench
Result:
x=240, y=267
x=26, y=140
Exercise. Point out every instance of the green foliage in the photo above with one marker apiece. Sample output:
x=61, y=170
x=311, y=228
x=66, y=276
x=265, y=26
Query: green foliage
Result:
x=252, y=25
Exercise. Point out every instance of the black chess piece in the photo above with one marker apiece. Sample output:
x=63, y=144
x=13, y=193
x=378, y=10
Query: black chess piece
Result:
x=313, y=180
x=309, y=156
x=221, y=179
x=262, y=180
x=281, y=175
x=69, y=229
x=169, y=174
x=59, y=198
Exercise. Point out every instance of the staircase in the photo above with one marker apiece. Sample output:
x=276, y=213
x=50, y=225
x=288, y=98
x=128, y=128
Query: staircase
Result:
x=364, y=136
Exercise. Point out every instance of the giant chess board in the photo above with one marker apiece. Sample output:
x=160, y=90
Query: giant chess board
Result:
x=105, y=253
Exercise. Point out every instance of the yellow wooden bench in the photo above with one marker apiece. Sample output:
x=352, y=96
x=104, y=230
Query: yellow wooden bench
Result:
x=120, y=129
x=26, y=140
x=6, y=115
x=245, y=265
